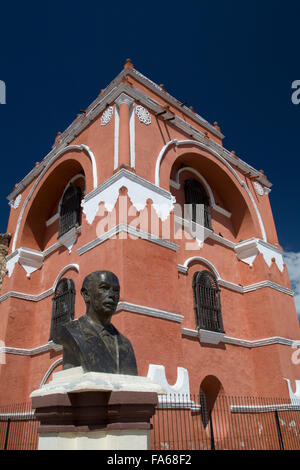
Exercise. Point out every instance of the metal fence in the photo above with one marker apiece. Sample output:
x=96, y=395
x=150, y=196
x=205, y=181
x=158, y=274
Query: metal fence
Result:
x=231, y=423
x=18, y=427
x=187, y=423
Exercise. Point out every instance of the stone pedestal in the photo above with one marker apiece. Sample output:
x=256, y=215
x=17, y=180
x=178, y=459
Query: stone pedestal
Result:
x=95, y=411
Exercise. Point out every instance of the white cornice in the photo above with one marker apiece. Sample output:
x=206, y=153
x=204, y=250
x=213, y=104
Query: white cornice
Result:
x=139, y=190
x=150, y=311
x=215, y=338
x=131, y=231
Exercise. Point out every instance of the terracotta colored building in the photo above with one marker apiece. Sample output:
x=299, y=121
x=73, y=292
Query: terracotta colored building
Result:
x=141, y=185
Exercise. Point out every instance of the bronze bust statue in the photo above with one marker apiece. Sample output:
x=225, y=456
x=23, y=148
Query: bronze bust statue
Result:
x=92, y=341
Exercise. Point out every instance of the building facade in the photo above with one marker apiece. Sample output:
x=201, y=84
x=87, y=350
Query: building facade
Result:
x=141, y=185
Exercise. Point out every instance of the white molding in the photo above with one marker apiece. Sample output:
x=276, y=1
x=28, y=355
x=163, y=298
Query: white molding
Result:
x=116, y=138
x=63, y=271
x=149, y=311
x=50, y=370
x=245, y=343
x=139, y=190
x=106, y=116
x=210, y=337
x=47, y=164
x=264, y=408
x=132, y=136
x=69, y=238
x=123, y=98
x=42, y=295
x=31, y=260
x=202, y=260
x=211, y=148
x=52, y=219
x=231, y=285
x=32, y=351
x=248, y=250
x=177, y=395
x=143, y=115
x=131, y=231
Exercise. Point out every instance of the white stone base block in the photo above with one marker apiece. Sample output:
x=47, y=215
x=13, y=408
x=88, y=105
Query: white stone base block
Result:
x=96, y=440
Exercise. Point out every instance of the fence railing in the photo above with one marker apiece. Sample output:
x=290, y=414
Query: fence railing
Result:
x=188, y=423
x=18, y=427
x=228, y=423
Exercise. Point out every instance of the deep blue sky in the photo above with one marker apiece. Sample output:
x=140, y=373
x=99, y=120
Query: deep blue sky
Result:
x=234, y=62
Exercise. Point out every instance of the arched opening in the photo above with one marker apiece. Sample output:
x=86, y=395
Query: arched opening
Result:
x=207, y=303
x=70, y=209
x=62, y=305
x=228, y=210
x=196, y=197
x=210, y=389
x=37, y=233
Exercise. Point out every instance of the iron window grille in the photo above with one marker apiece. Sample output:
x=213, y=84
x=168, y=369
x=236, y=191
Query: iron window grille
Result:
x=70, y=210
x=62, y=305
x=196, y=195
x=207, y=304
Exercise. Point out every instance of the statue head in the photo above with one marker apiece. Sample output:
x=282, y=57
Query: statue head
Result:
x=101, y=293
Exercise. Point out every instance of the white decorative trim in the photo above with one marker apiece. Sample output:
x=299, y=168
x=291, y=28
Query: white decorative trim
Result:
x=248, y=250
x=116, y=139
x=42, y=295
x=143, y=115
x=131, y=231
x=264, y=408
x=220, y=337
x=50, y=370
x=62, y=272
x=106, y=116
x=123, y=98
x=295, y=397
x=132, y=136
x=54, y=157
x=231, y=285
x=52, y=219
x=139, y=190
x=29, y=259
x=202, y=260
x=33, y=351
x=15, y=202
x=217, y=153
x=149, y=311
x=258, y=188
x=69, y=238
x=210, y=337
x=177, y=395
x=215, y=206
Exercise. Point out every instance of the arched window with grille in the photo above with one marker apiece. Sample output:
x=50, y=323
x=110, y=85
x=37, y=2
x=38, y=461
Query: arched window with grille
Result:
x=207, y=302
x=196, y=195
x=62, y=305
x=70, y=210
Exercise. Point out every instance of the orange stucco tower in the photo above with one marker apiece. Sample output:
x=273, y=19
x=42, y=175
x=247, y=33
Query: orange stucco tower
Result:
x=202, y=291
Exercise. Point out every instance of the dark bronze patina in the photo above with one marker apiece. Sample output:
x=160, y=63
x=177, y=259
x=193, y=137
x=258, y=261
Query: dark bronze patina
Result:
x=92, y=341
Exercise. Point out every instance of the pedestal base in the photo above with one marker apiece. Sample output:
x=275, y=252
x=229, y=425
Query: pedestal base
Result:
x=93, y=410
x=96, y=440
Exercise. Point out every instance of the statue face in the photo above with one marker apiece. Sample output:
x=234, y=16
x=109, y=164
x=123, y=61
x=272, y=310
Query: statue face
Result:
x=103, y=294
